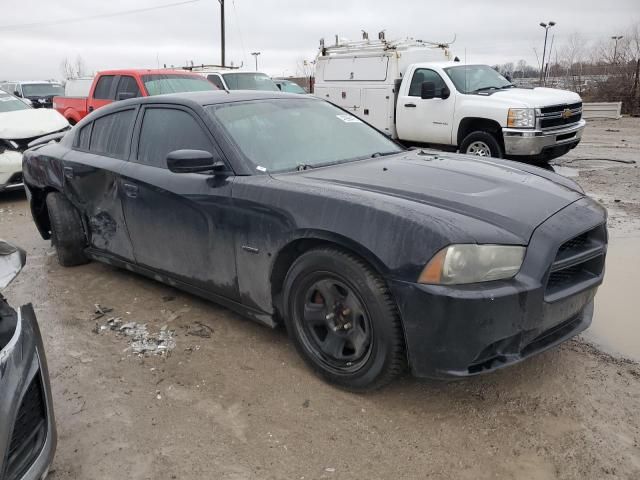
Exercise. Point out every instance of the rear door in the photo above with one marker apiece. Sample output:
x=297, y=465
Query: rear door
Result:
x=180, y=224
x=91, y=179
x=103, y=93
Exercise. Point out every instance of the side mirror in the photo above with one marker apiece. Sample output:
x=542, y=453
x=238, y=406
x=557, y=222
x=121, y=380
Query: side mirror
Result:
x=445, y=93
x=427, y=90
x=126, y=95
x=194, y=161
x=17, y=93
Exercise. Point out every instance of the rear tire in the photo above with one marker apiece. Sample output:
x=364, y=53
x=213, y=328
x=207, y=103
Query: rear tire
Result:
x=482, y=144
x=343, y=320
x=67, y=232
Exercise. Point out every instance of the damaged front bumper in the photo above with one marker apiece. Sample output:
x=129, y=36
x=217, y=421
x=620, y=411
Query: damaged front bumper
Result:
x=10, y=169
x=27, y=424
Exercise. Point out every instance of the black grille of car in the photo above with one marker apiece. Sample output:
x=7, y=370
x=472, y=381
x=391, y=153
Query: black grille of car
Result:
x=560, y=115
x=579, y=263
x=29, y=431
x=15, y=179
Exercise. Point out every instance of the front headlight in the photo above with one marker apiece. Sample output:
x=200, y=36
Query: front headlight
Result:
x=521, y=118
x=470, y=263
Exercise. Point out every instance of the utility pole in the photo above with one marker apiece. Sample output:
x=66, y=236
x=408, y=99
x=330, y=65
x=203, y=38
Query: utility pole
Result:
x=544, y=50
x=222, y=32
x=255, y=55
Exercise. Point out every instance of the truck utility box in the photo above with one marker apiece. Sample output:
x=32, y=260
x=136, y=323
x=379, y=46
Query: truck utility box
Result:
x=363, y=76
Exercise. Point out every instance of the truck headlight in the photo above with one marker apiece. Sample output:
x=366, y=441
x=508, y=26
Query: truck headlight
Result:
x=471, y=263
x=521, y=118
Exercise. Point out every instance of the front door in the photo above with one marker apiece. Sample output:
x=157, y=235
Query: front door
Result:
x=91, y=173
x=425, y=120
x=179, y=223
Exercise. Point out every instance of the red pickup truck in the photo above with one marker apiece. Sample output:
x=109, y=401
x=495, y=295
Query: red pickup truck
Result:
x=113, y=85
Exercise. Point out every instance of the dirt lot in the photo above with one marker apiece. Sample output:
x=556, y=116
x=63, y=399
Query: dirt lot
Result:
x=240, y=404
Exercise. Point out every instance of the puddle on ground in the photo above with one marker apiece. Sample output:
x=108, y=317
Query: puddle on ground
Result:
x=566, y=171
x=616, y=322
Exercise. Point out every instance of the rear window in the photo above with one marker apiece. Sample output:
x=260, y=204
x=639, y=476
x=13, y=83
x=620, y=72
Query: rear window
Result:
x=250, y=81
x=103, y=88
x=160, y=84
x=111, y=133
x=83, y=137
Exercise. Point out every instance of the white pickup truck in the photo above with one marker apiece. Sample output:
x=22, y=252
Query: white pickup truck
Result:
x=412, y=91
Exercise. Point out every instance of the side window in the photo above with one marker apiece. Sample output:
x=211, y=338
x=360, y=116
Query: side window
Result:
x=82, y=137
x=103, y=88
x=425, y=75
x=111, y=132
x=127, y=88
x=215, y=79
x=165, y=130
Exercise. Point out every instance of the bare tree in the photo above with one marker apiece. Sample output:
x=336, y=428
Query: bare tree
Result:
x=71, y=69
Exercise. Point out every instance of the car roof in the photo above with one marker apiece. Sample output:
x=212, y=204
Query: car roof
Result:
x=145, y=71
x=204, y=98
x=31, y=82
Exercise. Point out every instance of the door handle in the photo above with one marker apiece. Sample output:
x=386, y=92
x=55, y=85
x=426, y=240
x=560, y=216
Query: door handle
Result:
x=131, y=190
x=68, y=172
x=410, y=105
x=90, y=108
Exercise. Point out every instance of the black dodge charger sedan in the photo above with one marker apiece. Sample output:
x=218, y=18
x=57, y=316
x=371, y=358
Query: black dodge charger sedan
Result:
x=290, y=210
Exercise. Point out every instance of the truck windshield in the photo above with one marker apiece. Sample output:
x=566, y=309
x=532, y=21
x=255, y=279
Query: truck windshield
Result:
x=249, y=81
x=476, y=78
x=42, y=89
x=159, y=84
x=9, y=103
x=285, y=134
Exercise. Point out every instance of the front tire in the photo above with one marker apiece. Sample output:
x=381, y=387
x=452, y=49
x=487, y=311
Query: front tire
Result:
x=482, y=144
x=343, y=320
x=67, y=232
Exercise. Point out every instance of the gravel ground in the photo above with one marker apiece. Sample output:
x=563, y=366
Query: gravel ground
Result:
x=234, y=401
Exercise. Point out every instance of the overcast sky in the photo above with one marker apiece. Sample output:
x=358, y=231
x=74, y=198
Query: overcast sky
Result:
x=33, y=42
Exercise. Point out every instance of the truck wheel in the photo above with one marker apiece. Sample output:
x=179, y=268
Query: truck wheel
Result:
x=67, y=233
x=343, y=320
x=482, y=144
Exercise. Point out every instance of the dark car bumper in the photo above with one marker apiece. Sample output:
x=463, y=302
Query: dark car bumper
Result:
x=456, y=331
x=27, y=424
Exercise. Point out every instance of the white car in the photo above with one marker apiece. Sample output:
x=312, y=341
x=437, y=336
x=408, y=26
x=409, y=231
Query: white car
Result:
x=21, y=124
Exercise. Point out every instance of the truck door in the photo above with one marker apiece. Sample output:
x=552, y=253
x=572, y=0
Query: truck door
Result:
x=103, y=93
x=425, y=120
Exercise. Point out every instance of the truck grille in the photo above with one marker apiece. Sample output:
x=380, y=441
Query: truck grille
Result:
x=29, y=431
x=579, y=263
x=560, y=115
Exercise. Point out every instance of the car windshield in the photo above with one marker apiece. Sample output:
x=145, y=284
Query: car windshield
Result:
x=9, y=103
x=476, y=78
x=249, y=81
x=279, y=135
x=158, y=84
x=291, y=87
x=42, y=89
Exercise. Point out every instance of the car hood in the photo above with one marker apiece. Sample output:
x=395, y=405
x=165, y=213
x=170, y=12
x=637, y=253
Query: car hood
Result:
x=502, y=193
x=536, y=97
x=30, y=123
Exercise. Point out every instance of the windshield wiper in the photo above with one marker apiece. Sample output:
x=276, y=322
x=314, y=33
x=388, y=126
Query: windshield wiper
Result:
x=485, y=88
x=511, y=85
x=303, y=166
x=382, y=154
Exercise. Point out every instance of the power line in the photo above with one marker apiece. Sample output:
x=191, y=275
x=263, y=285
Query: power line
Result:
x=25, y=26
